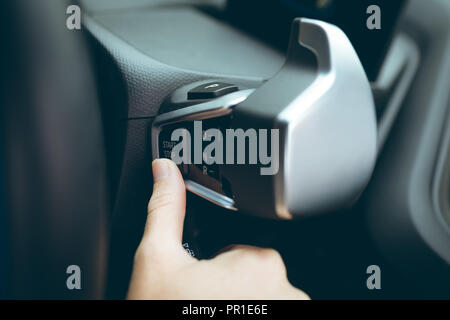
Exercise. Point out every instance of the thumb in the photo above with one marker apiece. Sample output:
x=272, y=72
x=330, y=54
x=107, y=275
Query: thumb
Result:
x=167, y=206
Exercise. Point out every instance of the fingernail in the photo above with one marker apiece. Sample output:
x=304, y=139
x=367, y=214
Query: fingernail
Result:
x=160, y=170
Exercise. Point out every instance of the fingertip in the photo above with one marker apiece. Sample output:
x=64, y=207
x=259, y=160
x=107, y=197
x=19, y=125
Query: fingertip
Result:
x=166, y=208
x=160, y=170
x=164, y=168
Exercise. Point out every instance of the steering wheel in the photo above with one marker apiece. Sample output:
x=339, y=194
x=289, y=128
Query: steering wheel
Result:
x=53, y=183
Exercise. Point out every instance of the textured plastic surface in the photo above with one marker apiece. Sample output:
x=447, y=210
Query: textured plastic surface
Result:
x=148, y=80
x=108, y=5
x=208, y=45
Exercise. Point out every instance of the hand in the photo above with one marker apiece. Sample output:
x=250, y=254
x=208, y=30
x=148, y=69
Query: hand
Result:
x=163, y=269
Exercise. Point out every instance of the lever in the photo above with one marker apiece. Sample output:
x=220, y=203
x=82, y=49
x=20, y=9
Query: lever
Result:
x=319, y=113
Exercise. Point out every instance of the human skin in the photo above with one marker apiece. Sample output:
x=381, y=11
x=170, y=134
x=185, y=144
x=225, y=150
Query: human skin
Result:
x=163, y=269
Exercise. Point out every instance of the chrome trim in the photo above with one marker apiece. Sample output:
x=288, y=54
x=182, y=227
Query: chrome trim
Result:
x=210, y=195
x=211, y=109
x=330, y=128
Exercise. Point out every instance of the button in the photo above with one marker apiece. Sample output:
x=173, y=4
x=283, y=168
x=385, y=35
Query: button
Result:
x=213, y=171
x=166, y=144
x=210, y=170
x=211, y=90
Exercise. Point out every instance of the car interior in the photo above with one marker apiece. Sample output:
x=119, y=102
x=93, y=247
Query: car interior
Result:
x=365, y=173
